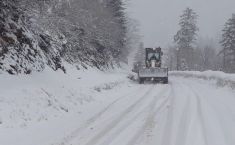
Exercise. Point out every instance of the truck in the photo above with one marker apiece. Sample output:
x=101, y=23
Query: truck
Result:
x=152, y=69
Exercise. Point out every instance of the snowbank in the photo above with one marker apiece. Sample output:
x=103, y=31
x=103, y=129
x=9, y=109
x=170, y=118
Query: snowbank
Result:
x=44, y=106
x=34, y=98
x=221, y=78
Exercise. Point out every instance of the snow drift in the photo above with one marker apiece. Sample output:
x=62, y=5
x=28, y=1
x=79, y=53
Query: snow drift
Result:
x=42, y=101
x=220, y=78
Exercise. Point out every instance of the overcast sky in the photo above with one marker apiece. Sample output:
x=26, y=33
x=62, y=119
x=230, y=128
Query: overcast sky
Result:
x=159, y=18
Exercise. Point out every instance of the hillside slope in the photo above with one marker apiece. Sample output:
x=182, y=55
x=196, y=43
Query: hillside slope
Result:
x=35, y=34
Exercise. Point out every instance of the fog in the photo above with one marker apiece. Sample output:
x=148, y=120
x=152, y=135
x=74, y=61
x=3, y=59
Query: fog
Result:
x=159, y=18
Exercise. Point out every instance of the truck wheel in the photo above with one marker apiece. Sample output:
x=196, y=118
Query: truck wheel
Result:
x=155, y=81
x=165, y=81
x=141, y=80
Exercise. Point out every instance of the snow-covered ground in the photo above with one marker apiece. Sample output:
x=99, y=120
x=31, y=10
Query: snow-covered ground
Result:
x=97, y=108
x=43, y=107
x=220, y=78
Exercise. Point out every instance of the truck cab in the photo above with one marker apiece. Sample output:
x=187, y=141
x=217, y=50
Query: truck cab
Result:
x=153, y=57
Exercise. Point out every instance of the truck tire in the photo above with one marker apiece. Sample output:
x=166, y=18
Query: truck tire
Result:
x=141, y=80
x=165, y=81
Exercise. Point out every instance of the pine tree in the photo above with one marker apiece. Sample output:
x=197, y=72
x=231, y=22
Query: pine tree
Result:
x=117, y=9
x=228, y=43
x=185, y=37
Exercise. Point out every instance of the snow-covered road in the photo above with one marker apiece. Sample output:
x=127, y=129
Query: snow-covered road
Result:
x=185, y=112
x=42, y=110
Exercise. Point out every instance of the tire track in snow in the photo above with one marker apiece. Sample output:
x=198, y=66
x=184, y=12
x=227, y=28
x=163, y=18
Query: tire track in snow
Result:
x=179, y=116
x=184, y=121
x=203, y=125
x=223, y=108
x=210, y=136
x=150, y=123
x=86, y=125
x=118, y=119
x=124, y=126
x=211, y=129
x=199, y=112
x=167, y=131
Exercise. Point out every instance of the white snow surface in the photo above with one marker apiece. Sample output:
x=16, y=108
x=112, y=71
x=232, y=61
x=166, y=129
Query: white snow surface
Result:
x=89, y=107
x=220, y=78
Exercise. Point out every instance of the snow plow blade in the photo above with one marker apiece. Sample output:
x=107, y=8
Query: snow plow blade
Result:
x=153, y=74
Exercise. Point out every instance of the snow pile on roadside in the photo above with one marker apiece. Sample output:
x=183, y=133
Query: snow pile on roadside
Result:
x=42, y=108
x=30, y=99
x=221, y=78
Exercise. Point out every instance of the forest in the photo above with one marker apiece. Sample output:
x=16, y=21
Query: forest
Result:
x=35, y=34
x=190, y=51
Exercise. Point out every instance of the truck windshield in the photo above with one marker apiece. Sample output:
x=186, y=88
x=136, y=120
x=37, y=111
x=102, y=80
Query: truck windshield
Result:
x=154, y=56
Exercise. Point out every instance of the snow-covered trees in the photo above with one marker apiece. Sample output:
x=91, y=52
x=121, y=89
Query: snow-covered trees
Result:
x=185, y=38
x=140, y=54
x=228, y=43
x=133, y=40
x=82, y=32
x=190, y=51
x=119, y=21
x=204, y=56
x=19, y=51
